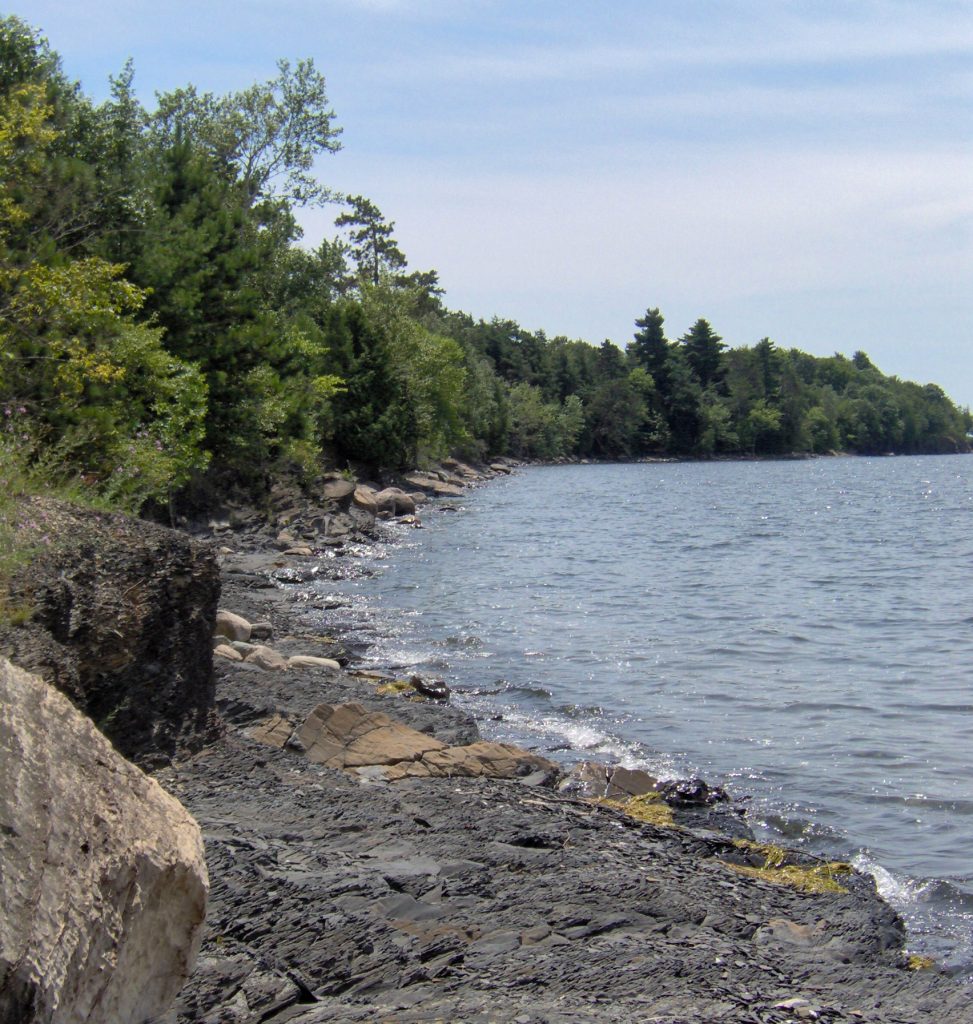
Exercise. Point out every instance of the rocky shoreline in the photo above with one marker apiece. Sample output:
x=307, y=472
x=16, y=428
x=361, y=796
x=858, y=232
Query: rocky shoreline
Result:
x=345, y=897
x=372, y=859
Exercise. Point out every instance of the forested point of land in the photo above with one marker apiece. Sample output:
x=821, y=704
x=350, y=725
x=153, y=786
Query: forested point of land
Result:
x=162, y=324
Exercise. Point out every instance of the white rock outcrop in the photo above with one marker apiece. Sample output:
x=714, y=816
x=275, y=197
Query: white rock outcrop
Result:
x=103, y=883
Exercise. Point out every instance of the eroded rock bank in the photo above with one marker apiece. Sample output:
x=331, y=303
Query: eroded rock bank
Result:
x=120, y=620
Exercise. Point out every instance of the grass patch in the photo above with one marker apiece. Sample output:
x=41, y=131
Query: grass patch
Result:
x=22, y=535
x=812, y=878
x=395, y=686
x=649, y=807
x=918, y=962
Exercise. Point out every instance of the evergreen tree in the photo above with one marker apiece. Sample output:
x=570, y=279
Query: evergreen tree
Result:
x=611, y=362
x=703, y=349
x=682, y=403
x=768, y=360
x=373, y=247
x=199, y=254
x=373, y=418
x=650, y=349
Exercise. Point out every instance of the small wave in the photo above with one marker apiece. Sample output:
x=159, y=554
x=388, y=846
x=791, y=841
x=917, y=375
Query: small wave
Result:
x=903, y=893
x=801, y=831
x=462, y=641
x=581, y=710
x=950, y=708
x=798, y=706
x=928, y=802
x=529, y=690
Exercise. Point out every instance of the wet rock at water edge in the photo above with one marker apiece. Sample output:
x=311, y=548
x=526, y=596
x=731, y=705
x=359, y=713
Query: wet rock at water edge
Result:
x=691, y=793
x=434, y=688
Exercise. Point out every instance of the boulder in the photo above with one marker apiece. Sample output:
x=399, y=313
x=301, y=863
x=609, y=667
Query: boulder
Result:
x=311, y=661
x=586, y=779
x=274, y=731
x=266, y=658
x=233, y=627
x=102, y=878
x=691, y=793
x=437, y=689
x=628, y=782
x=596, y=781
x=123, y=622
x=448, y=490
x=364, y=498
x=395, y=501
x=339, y=491
x=346, y=736
x=487, y=760
x=226, y=651
x=349, y=737
x=430, y=484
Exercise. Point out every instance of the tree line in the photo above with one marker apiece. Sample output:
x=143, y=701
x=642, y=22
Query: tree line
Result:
x=161, y=323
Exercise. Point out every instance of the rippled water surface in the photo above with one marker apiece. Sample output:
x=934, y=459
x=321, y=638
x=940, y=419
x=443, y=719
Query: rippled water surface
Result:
x=802, y=631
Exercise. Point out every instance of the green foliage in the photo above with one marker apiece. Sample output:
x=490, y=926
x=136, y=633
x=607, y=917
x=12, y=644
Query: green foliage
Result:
x=100, y=384
x=431, y=367
x=374, y=421
x=268, y=136
x=650, y=348
x=91, y=380
x=158, y=319
x=704, y=353
x=541, y=429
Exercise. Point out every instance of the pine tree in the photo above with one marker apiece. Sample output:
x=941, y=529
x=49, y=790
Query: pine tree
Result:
x=373, y=247
x=704, y=351
x=650, y=349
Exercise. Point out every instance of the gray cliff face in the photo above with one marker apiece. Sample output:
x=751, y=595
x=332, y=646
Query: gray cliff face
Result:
x=123, y=615
x=103, y=881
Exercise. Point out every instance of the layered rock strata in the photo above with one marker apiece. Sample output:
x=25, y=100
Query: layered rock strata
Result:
x=121, y=620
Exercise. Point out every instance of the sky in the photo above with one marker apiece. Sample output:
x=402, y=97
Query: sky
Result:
x=794, y=169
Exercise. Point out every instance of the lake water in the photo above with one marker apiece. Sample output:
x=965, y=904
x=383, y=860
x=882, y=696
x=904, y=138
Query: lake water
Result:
x=799, y=631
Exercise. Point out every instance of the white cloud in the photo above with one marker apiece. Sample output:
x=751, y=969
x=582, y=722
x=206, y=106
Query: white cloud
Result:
x=872, y=32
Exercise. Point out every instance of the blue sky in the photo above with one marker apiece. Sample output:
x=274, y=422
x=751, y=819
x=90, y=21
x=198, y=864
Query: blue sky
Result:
x=801, y=170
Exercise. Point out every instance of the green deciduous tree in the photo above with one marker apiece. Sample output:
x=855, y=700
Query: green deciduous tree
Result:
x=431, y=366
x=269, y=134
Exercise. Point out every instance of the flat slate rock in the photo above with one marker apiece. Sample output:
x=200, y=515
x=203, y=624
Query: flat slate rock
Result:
x=468, y=899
